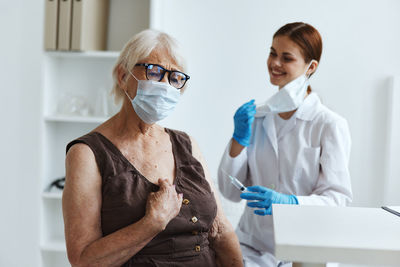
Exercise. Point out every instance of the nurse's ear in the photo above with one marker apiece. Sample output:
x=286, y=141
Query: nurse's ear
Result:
x=312, y=68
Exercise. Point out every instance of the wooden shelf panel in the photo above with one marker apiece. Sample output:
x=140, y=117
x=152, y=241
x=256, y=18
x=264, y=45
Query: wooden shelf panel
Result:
x=52, y=195
x=85, y=54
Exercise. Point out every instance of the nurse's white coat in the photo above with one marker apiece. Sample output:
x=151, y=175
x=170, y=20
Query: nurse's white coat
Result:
x=308, y=159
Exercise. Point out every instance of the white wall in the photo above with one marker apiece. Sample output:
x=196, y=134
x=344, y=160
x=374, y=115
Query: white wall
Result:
x=20, y=72
x=226, y=44
x=392, y=185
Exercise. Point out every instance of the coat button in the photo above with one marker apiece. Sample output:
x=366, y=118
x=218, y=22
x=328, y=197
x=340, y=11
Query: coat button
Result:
x=185, y=201
x=197, y=248
x=194, y=219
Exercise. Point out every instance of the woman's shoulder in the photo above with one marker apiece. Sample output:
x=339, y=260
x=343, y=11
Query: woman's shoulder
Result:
x=331, y=123
x=187, y=143
x=326, y=115
x=80, y=157
x=86, y=140
x=179, y=136
x=177, y=132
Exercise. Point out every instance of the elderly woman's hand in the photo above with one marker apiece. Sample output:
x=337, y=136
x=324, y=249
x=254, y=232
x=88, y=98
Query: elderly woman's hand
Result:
x=163, y=205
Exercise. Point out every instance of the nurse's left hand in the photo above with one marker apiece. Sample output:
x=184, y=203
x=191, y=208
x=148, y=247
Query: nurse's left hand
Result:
x=266, y=197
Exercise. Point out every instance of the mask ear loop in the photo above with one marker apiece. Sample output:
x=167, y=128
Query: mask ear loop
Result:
x=308, y=67
x=308, y=76
x=135, y=79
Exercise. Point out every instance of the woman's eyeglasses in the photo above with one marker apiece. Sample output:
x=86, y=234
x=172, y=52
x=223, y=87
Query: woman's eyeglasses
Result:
x=156, y=73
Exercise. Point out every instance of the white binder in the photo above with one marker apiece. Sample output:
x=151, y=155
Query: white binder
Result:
x=64, y=26
x=51, y=24
x=89, y=25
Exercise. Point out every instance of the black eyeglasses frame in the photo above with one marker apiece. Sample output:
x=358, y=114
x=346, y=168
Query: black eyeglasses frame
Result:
x=146, y=65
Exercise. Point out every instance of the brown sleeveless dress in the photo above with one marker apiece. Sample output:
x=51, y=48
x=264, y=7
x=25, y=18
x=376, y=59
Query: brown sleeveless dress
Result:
x=184, y=242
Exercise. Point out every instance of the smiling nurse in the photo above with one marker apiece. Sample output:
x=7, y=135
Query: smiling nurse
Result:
x=291, y=150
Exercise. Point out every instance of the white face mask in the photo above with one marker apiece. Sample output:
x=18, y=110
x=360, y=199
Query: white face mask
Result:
x=288, y=98
x=154, y=101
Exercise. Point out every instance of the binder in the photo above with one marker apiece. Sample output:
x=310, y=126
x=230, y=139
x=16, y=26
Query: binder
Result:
x=51, y=24
x=64, y=25
x=89, y=25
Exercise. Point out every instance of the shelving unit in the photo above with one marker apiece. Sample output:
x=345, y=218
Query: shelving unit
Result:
x=85, y=54
x=54, y=247
x=78, y=119
x=76, y=99
x=52, y=195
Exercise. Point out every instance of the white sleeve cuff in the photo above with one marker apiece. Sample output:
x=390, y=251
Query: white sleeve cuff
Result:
x=234, y=166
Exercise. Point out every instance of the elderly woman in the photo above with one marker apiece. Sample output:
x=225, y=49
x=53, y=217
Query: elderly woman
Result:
x=138, y=194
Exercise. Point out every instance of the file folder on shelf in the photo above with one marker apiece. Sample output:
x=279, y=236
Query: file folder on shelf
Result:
x=51, y=24
x=89, y=25
x=64, y=25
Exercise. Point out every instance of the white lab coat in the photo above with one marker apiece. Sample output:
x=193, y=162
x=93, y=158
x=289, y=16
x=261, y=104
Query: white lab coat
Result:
x=308, y=159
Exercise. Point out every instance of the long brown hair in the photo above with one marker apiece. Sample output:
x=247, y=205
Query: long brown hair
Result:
x=306, y=37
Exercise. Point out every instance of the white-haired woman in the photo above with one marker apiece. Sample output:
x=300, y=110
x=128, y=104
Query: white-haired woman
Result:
x=138, y=194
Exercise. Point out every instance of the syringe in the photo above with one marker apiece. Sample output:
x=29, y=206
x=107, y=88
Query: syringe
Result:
x=235, y=182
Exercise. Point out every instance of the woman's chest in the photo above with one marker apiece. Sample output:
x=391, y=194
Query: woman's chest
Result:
x=125, y=197
x=153, y=161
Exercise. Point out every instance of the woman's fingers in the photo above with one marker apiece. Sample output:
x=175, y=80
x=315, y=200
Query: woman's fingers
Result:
x=246, y=106
x=262, y=212
x=168, y=190
x=268, y=211
x=246, y=111
x=258, y=189
x=256, y=204
x=166, y=203
x=163, y=183
x=252, y=196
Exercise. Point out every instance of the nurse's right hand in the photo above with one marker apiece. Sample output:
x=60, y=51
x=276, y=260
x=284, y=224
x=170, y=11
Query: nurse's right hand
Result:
x=243, y=119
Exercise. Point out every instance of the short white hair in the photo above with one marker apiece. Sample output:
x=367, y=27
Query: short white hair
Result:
x=139, y=47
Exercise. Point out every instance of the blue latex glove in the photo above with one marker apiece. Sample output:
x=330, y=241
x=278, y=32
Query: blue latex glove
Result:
x=266, y=197
x=243, y=119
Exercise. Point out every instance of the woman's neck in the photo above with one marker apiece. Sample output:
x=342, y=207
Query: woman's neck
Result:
x=126, y=123
x=287, y=115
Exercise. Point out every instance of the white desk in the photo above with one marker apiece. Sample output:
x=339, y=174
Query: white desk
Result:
x=314, y=235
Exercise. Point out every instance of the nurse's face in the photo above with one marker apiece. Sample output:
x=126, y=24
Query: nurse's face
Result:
x=285, y=61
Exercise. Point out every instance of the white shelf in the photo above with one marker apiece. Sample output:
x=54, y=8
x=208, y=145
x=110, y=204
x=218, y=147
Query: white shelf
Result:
x=58, y=118
x=83, y=79
x=84, y=54
x=52, y=195
x=54, y=246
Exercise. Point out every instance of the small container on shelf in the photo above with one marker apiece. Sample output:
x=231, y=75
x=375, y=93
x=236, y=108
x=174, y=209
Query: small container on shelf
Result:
x=70, y=104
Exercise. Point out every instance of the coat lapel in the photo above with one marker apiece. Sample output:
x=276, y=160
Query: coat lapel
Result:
x=289, y=125
x=269, y=127
x=307, y=111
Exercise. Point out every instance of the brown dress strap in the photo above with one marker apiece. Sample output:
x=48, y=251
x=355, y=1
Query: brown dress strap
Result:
x=108, y=158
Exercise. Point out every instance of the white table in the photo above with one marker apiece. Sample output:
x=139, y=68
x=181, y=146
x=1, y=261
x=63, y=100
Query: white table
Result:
x=314, y=235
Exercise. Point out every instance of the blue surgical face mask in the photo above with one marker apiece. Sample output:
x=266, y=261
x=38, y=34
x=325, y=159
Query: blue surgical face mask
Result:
x=154, y=101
